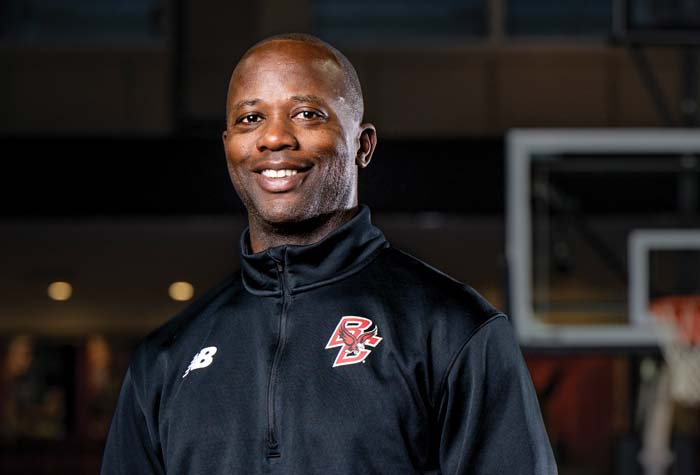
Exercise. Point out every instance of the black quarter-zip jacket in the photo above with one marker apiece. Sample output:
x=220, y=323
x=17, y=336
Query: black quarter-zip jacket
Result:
x=346, y=356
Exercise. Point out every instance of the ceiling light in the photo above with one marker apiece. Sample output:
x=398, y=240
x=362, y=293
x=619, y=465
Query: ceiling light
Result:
x=181, y=291
x=60, y=291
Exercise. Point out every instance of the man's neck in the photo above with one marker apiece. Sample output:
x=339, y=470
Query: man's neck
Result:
x=265, y=235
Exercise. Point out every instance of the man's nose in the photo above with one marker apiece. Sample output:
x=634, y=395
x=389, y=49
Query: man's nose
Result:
x=277, y=134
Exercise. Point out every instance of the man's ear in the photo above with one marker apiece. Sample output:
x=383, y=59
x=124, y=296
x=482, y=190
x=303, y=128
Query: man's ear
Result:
x=223, y=136
x=368, y=142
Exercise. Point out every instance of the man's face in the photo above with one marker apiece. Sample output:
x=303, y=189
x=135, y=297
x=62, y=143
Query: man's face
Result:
x=292, y=137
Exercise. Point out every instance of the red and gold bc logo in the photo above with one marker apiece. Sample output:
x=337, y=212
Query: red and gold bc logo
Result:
x=353, y=335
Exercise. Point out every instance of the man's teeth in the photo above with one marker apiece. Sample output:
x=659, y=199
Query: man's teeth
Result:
x=278, y=173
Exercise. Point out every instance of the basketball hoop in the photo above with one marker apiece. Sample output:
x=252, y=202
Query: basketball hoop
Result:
x=677, y=320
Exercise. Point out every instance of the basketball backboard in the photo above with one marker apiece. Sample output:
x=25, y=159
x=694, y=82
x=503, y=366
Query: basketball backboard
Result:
x=574, y=200
x=663, y=263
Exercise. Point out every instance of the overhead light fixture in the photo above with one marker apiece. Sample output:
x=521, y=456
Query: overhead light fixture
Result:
x=60, y=291
x=181, y=291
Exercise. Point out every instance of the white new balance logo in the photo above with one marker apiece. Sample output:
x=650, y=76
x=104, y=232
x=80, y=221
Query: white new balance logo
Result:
x=202, y=359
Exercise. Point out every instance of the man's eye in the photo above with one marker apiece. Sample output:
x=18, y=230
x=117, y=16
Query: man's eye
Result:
x=250, y=119
x=308, y=115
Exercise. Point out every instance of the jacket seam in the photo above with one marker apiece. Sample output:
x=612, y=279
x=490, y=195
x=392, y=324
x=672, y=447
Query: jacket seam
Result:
x=428, y=266
x=314, y=285
x=142, y=408
x=453, y=360
x=258, y=292
x=360, y=266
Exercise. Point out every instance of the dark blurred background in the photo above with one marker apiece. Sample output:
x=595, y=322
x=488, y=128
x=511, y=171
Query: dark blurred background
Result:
x=116, y=207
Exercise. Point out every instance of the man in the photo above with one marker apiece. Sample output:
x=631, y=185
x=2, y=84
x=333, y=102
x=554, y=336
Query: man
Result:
x=330, y=352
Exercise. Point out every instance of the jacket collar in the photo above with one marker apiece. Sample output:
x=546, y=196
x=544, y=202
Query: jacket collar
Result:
x=344, y=251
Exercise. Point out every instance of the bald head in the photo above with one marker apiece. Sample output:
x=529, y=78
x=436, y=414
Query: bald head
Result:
x=351, y=89
x=295, y=140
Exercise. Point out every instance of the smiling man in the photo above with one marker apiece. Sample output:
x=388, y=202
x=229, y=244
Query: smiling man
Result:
x=294, y=141
x=329, y=352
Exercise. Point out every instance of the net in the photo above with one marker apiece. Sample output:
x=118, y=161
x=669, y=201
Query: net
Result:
x=678, y=324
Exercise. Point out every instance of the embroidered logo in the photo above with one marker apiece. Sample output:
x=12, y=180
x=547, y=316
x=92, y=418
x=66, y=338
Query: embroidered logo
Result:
x=202, y=359
x=353, y=336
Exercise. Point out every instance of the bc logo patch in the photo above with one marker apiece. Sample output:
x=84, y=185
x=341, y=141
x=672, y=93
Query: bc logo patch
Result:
x=202, y=359
x=353, y=336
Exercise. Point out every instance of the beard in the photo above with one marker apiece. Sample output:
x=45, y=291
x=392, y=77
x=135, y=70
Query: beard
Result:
x=301, y=211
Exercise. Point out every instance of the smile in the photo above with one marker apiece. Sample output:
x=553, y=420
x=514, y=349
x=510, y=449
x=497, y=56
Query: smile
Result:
x=281, y=180
x=278, y=173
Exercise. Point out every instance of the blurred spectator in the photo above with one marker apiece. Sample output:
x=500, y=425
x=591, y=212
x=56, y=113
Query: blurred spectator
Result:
x=32, y=407
x=101, y=385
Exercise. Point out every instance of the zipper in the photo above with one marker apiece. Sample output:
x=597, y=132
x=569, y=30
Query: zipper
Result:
x=273, y=450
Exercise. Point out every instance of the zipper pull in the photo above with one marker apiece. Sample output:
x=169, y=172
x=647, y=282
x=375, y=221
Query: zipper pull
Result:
x=280, y=275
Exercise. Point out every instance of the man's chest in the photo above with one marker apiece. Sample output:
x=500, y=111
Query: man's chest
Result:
x=266, y=386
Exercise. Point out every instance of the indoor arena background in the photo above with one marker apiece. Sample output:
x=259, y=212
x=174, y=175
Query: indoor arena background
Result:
x=116, y=208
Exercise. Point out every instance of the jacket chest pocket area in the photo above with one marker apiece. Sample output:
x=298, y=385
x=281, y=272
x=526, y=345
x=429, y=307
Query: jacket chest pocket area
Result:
x=338, y=405
x=218, y=402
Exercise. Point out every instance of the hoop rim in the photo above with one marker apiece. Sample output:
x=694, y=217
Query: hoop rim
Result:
x=681, y=313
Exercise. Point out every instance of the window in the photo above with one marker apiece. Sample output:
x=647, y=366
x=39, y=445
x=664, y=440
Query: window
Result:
x=558, y=17
x=39, y=20
x=338, y=20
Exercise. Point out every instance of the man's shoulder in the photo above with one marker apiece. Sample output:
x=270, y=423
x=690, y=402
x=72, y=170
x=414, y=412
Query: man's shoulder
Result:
x=437, y=311
x=445, y=297
x=187, y=324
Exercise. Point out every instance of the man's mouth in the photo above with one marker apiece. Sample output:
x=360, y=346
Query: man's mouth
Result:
x=281, y=180
x=278, y=173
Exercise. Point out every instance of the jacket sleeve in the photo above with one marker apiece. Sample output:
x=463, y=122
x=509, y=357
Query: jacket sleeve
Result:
x=132, y=444
x=489, y=418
